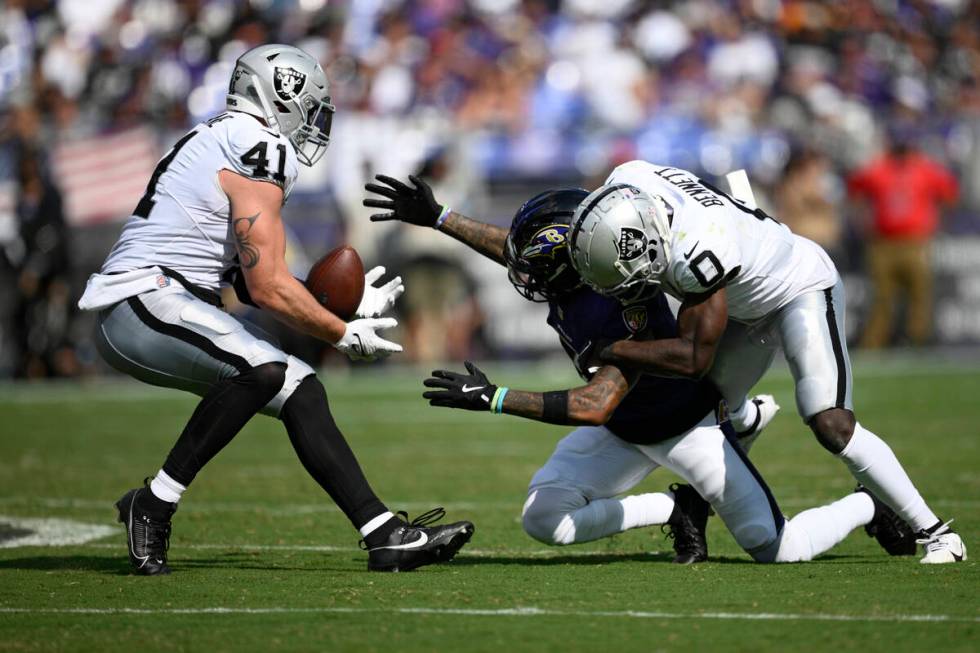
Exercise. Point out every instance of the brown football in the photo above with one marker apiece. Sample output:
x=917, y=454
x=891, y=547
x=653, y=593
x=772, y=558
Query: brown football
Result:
x=337, y=281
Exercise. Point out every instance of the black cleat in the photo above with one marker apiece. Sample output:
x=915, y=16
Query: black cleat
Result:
x=892, y=532
x=148, y=536
x=687, y=525
x=415, y=545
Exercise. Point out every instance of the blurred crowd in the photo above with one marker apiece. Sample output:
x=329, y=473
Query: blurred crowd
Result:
x=489, y=96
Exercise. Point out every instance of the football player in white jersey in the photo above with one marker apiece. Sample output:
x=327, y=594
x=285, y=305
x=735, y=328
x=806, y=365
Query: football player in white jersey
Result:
x=626, y=424
x=211, y=215
x=747, y=285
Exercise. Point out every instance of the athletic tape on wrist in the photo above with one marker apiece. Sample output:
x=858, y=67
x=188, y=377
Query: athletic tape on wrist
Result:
x=442, y=217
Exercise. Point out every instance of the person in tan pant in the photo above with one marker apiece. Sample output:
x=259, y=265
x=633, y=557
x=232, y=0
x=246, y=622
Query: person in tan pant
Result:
x=899, y=266
x=905, y=190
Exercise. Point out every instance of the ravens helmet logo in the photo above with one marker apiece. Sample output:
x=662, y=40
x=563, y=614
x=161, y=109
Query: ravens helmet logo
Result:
x=546, y=242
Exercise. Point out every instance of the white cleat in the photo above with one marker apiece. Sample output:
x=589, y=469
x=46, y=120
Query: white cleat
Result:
x=767, y=411
x=942, y=547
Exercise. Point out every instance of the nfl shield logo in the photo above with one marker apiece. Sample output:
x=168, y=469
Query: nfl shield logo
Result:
x=288, y=83
x=635, y=318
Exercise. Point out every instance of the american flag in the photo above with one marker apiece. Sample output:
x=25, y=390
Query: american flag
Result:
x=102, y=178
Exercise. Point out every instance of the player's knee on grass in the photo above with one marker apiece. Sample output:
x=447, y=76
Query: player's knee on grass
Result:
x=833, y=428
x=757, y=538
x=791, y=545
x=548, y=515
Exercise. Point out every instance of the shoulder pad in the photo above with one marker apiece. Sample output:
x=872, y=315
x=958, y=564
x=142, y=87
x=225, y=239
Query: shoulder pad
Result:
x=704, y=261
x=254, y=151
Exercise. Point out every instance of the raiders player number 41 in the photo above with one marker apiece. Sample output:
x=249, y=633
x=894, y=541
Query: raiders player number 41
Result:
x=211, y=215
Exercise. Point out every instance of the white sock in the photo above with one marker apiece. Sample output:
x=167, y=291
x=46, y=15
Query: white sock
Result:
x=873, y=463
x=604, y=517
x=166, y=488
x=373, y=525
x=646, y=509
x=816, y=530
x=745, y=416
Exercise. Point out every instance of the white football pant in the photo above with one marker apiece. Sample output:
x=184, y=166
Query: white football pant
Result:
x=170, y=338
x=573, y=497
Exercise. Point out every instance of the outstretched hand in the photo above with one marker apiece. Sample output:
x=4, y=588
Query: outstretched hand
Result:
x=471, y=391
x=378, y=300
x=412, y=205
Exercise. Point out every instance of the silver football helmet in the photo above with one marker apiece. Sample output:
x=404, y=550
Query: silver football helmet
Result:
x=287, y=89
x=620, y=241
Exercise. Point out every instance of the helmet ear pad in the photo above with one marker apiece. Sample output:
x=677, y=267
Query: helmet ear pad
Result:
x=536, y=250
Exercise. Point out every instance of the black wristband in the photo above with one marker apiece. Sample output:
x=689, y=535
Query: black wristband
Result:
x=555, y=407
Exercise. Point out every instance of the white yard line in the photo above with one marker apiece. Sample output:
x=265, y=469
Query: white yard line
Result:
x=509, y=612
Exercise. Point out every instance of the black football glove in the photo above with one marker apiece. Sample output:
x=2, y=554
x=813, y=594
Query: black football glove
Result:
x=412, y=205
x=471, y=391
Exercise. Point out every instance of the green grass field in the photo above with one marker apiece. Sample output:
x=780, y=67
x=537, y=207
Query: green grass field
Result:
x=264, y=561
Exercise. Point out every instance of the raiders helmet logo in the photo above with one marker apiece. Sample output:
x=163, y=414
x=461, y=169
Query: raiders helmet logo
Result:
x=288, y=83
x=635, y=318
x=632, y=243
x=546, y=242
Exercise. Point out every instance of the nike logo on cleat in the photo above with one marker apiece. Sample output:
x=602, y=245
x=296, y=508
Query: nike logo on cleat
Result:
x=422, y=540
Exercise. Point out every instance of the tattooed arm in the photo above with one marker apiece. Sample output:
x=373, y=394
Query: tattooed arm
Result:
x=591, y=404
x=487, y=239
x=261, y=241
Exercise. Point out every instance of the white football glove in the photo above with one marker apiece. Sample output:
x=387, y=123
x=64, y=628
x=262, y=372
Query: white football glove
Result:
x=378, y=300
x=361, y=341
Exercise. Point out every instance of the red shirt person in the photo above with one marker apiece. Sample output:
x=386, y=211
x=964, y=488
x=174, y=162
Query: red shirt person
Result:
x=905, y=190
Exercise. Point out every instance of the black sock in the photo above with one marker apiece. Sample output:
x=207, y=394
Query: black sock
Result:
x=324, y=452
x=932, y=529
x=380, y=535
x=220, y=415
x=155, y=507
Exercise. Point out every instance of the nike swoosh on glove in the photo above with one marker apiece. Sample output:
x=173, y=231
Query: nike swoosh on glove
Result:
x=362, y=342
x=471, y=391
x=378, y=300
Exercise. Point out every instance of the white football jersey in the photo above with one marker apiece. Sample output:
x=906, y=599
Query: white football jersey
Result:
x=182, y=222
x=717, y=238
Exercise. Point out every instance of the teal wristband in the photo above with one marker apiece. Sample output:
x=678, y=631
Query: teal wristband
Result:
x=442, y=217
x=497, y=403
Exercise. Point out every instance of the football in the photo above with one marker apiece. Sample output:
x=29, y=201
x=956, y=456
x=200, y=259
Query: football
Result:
x=337, y=281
